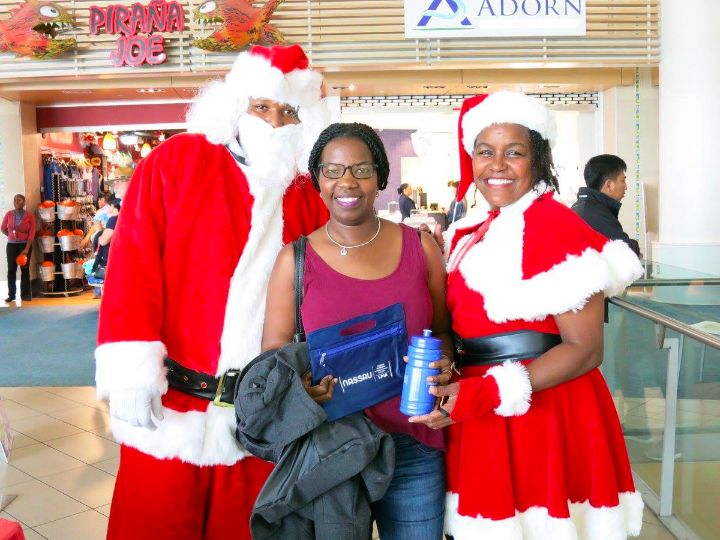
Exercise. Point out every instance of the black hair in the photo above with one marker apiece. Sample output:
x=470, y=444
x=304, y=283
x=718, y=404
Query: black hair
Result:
x=353, y=130
x=113, y=201
x=541, y=161
x=600, y=168
x=21, y=196
x=402, y=187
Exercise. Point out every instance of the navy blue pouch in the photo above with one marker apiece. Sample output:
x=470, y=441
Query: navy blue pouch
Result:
x=365, y=354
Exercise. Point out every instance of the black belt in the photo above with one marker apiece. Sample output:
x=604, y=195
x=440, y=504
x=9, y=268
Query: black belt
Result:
x=221, y=391
x=496, y=349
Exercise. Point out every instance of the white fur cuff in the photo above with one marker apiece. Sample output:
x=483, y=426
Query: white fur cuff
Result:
x=128, y=365
x=514, y=388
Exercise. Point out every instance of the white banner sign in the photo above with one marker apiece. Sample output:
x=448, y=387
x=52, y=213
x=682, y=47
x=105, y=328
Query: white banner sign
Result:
x=493, y=18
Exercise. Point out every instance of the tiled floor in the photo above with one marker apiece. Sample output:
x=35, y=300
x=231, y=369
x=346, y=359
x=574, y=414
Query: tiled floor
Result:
x=63, y=465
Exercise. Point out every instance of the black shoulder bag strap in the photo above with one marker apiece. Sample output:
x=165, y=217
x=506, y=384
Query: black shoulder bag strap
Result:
x=299, y=251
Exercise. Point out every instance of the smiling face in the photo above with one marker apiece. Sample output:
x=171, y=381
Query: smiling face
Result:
x=350, y=200
x=19, y=202
x=502, y=163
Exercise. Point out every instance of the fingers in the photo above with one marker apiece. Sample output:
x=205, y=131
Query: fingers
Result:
x=157, y=408
x=445, y=367
x=434, y=420
x=448, y=390
x=323, y=391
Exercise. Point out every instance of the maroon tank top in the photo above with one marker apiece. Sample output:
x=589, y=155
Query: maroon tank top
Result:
x=331, y=298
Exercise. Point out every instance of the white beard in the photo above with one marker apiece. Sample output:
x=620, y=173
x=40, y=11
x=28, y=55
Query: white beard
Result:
x=272, y=154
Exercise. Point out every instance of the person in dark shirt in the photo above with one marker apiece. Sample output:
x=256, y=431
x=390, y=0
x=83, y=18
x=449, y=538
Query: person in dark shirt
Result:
x=599, y=203
x=406, y=203
x=101, y=260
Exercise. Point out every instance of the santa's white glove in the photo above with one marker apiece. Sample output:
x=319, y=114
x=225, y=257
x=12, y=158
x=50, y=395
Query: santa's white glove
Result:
x=139, y=408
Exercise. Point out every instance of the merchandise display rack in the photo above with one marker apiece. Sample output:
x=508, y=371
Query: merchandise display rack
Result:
x=61, y=285
x=63, y=252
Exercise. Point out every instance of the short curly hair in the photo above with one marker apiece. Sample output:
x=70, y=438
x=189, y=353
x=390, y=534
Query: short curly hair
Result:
x=353, y=130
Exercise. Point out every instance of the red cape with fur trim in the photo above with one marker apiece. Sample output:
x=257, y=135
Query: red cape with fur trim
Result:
x=188, y=215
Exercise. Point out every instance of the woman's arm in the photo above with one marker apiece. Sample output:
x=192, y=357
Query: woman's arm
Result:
x=105, y=237
x=441, y=317
x=4, y=226
x=279, y=324
x=31, y=232
x=580, y=351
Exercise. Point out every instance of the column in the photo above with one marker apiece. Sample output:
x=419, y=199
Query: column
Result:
x=689, y=192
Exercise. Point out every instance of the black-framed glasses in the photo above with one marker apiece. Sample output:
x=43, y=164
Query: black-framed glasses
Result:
x=361, y=171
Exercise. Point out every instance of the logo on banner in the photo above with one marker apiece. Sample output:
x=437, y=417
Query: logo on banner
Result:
x=457, y=8
x=494, y=18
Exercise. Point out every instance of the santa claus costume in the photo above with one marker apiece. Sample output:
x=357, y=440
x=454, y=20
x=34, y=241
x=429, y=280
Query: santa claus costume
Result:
x=547, y=465
x=202, y=222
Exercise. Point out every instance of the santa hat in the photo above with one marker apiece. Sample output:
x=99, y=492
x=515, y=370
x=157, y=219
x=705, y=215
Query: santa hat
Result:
x=479, y=112
x=278, y=73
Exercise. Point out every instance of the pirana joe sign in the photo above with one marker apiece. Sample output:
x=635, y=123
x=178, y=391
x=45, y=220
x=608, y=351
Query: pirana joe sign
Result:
x=134, y=49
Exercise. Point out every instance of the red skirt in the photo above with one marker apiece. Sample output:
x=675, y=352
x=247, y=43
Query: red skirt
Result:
x=560, y=471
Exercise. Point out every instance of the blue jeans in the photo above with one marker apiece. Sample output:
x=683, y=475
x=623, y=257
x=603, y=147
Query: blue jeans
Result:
x=413, y=507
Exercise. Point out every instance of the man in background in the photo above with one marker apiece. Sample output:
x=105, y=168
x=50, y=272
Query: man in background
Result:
x=599, y=203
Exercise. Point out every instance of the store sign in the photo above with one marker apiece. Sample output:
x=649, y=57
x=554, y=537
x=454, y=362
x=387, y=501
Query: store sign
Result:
x=493, y=18
x=134, y=48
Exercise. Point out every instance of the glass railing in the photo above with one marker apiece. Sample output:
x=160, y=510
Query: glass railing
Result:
x=662, y=364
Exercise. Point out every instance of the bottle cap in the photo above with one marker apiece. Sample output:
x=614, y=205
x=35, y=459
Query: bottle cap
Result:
x=426, y=341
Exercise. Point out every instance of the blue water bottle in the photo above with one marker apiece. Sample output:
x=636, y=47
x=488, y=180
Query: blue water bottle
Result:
x=423, y=350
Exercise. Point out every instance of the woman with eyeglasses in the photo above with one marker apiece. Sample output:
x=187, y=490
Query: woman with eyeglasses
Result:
x=358, y=264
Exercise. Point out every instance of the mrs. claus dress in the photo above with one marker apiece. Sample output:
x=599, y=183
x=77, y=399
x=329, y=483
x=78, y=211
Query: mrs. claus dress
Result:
x=559, y=471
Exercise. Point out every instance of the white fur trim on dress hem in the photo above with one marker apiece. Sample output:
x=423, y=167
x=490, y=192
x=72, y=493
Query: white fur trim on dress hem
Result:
x=514, y=387
x=130, y=365
x=586, y=522
x=197, y=437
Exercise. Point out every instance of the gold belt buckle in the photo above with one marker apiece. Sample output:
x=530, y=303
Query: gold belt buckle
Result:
x=219, y=392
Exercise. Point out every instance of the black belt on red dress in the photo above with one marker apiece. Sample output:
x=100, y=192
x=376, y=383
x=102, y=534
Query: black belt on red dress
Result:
x=219, y=390
x=495, y=349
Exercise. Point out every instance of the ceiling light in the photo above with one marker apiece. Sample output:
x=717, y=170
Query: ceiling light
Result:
x=434, y=87
x=76, y=91
x=145, y=150
x=129, y=139
x=477, y=86
x=351, y=87
x=150, y=90
x=109, y=142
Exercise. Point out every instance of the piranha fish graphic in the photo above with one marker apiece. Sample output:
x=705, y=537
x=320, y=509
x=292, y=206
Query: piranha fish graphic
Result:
x=33, y=30
x=240, y=24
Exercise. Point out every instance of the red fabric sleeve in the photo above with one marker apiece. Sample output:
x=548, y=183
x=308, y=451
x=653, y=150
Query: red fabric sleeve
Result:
x=33, y=225
x=132, y=305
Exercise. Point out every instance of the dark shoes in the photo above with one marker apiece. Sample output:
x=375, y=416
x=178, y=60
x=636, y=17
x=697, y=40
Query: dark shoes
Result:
x=9, y=299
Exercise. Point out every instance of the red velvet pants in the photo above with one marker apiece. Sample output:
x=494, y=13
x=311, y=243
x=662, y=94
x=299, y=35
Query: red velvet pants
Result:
x=167, y=499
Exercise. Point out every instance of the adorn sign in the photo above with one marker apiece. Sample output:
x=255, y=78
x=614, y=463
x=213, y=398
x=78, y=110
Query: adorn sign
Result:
x=494, y=18
x=134, y=49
